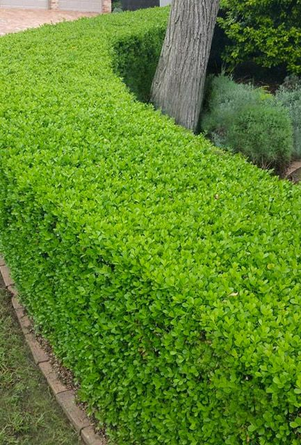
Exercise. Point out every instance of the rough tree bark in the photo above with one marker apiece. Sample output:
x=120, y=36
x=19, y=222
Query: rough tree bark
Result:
x=178, y=85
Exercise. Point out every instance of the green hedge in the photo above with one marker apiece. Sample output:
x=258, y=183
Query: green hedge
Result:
x=245, y=119
x=165, y=273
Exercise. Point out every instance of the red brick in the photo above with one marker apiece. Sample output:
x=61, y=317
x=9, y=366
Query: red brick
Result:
x=39, y=355
x=24, y=321
x=107, y=6
x=76, y=415
x=89, y=437
x=13, y=290
x=16, y=303
x=21, y=314
x=52, y=379
x=5, y=272
x=19, y=309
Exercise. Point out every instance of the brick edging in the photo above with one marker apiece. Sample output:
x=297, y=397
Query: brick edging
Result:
x=64, y=396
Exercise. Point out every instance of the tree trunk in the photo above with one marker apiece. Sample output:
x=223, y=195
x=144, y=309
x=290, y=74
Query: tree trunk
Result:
x=178, y=85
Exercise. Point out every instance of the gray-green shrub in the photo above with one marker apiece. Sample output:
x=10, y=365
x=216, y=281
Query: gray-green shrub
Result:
x=262, y=133
x=289, y=94
x=246, y=119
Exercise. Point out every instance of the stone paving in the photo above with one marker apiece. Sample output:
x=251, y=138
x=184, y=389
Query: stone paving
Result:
x=14, y=20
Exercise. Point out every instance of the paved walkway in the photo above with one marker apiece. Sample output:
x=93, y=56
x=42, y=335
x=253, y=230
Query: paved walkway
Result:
x=14, y=20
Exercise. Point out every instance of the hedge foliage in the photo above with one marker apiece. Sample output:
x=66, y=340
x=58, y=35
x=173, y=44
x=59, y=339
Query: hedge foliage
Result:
x=265, y=31
x=165, y=273
x=137, y=60
x=249, y=120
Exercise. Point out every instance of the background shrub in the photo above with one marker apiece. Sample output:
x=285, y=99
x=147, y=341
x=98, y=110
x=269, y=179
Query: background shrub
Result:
x=165, y=273
x=289, y=95
x=248, y=120
x=116, y=6
x=263, y=134
x=266, y=32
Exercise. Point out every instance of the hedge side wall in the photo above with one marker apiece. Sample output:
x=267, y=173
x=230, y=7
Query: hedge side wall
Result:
x=165, y=273
x=136, y=58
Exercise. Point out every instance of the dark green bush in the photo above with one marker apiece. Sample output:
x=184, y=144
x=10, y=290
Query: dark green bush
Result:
x=267, y=32
x=116, y=6
x=165, y=273
x=248, y=120
x=289, y=95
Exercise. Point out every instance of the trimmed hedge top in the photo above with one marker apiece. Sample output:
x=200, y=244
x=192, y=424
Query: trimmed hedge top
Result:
x=165, y=273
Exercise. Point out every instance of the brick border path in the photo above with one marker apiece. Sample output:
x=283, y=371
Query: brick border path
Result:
x=15, y=20
x=64, y=396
